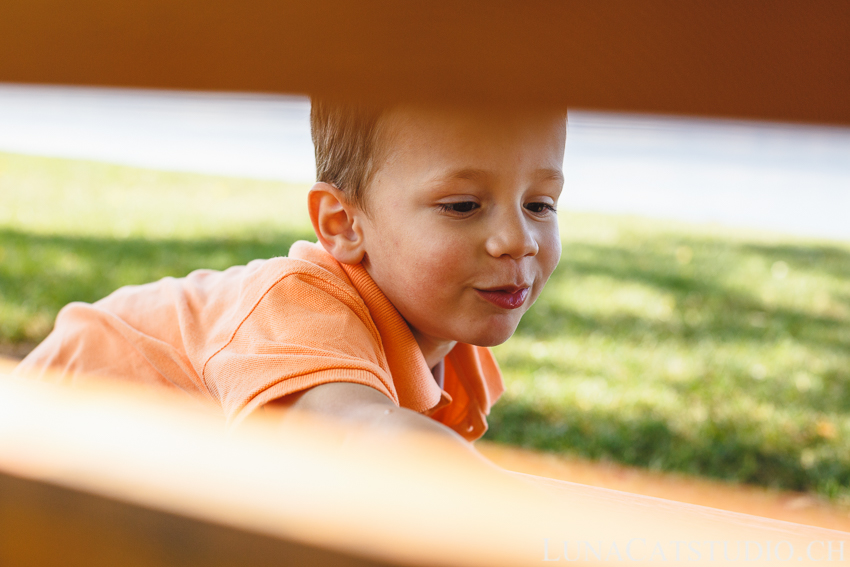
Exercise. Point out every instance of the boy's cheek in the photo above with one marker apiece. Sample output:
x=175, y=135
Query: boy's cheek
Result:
x=550, y=256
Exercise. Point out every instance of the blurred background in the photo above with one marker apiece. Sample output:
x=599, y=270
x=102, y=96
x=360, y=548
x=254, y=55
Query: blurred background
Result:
x=699, y=321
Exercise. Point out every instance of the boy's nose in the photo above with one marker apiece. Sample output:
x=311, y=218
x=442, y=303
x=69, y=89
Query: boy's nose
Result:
x=511, y=237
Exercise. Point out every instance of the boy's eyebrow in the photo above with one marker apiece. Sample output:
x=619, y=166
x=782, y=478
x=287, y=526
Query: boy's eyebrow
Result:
x=548, y=174
x=473, y=174
x=469, y=173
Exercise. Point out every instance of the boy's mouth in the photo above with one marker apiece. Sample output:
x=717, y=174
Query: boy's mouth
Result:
x=506, y=298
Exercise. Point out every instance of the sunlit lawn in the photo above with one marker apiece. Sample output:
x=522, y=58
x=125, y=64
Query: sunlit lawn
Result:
x=675, y=347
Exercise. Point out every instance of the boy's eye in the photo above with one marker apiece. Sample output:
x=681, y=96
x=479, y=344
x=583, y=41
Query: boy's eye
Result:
x=462, y=207
x=540, y=208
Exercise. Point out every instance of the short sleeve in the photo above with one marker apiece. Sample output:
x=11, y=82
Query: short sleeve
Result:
x=307, y=329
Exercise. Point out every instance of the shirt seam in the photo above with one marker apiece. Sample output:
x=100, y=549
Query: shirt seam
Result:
x=376, y=336
x=237, y=417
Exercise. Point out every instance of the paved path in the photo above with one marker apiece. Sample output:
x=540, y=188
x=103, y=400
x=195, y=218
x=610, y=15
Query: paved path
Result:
x=789, y=178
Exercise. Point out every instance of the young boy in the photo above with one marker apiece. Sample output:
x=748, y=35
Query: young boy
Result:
x=436, y=231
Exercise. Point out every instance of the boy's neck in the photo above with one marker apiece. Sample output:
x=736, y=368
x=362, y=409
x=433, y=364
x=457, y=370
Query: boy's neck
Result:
x=434, y=350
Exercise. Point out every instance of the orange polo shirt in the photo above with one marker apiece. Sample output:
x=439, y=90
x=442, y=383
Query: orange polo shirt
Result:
x=251, y=334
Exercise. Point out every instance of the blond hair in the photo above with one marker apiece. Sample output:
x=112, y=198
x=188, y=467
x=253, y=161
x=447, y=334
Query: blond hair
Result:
x=346, y=137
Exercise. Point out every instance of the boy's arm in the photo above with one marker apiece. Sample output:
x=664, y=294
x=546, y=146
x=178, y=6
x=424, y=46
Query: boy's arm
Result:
x=371, y=410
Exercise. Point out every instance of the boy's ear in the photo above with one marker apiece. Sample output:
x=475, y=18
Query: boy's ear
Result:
x=336, y=222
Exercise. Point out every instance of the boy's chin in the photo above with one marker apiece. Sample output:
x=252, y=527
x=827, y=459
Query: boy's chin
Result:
x=491, y=336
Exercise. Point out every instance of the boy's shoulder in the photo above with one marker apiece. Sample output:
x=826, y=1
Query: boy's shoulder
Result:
x=264, y=321
x=305, y=260
x=213, y=305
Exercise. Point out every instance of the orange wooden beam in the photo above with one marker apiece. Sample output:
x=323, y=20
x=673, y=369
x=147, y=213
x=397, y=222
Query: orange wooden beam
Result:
x=776, y=59
x=100, y=472
x=47, y=525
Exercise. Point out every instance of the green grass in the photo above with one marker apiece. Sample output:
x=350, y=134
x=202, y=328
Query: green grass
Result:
x=76, y=231
x=684, y=348
x=687, y=349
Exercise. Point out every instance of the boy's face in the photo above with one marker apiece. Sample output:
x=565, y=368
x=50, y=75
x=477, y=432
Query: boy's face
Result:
x=460, y=231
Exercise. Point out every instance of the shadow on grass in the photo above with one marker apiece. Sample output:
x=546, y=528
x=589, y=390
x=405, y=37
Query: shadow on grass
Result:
x=721, y=449
x=39, y=274
x=718, y=306
x=831, y=259
x=725, y=314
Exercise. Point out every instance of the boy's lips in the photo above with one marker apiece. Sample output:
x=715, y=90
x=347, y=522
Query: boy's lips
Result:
x=506, y=297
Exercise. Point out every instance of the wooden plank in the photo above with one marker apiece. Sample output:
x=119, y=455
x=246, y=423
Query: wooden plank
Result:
x=46, y=525
x=777, y=59
x=801, y=508
x=313, y=485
